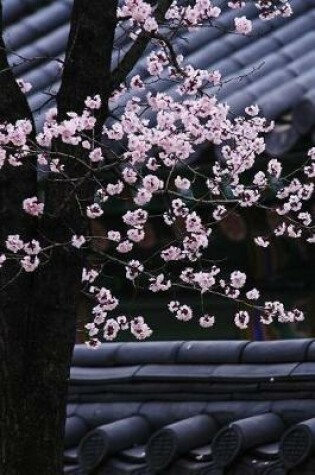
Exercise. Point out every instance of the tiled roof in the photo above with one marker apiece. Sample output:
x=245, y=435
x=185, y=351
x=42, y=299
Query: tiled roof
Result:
x=183, y=408
x=276, y=63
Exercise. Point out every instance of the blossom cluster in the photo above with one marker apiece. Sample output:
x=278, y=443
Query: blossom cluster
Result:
x=271, y=9
x=140, y=14
x=268, y=9
x=152, y=139
x=108, y=325
x=180, y=127
x=14, y=148
x=26, y=252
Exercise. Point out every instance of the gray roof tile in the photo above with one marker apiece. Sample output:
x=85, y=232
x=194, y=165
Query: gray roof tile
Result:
x=284, y=351
x=304, y=371
x=38, y=24
x=288, y=362
x=155, y=352
x=15, y=9
x=99, y=375
x=253, y=372
x=76, y=428
x=36, y=53
x=175, y=372
x=311, y=352
x=105, y=355
x=211, y=353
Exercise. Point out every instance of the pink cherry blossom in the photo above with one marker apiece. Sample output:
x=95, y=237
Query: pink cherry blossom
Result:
x=129, y=175
x=14, y=243
x=78, y=241
x=42, y=159
x=241, y=319
x=94, y=211
x=280, y=229
x=106, y=301
x=115, y=189
x=173, y=306
x=215, y=77
x=184, y=313
x=205, y=280
x=93, y=103
x=238, y=279
x=274, y=168
x=236, y=4
x=32, y=248
x=260, y=179
x=207, y=321
x=123, y=322
x=96, y=155
x=24, y=86
x=114, y=236
x=252, y=110
x=89, y=275
x=33, y=207
x=219, y=212
x=305, y=217
x=92, y=329
x=124, y=246
x=140, y=329
x=309, y=170
x=56, y=166
x=243, y=25
x=253, y=294
x=136, y=234
x=136, y=82
x=152, y=183
x=293, y=231
x=111, y=329
x=262, y=242
x=173, y=253
x=133, y=269
x=182, y=183
x=135, y=218
x=93, y=343
x=29, y=263
x=86, y=144
x=143, y=197
x=99, y=318
x=159, y=283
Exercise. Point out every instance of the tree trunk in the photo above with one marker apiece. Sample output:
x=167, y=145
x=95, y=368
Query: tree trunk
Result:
x=38, y=312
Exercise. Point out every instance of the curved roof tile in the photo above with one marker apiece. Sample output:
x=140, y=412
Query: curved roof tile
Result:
x=254, y=392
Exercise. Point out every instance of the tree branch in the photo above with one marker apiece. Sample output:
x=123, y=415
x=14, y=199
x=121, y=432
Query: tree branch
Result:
x=135, y=52
x=88, y=57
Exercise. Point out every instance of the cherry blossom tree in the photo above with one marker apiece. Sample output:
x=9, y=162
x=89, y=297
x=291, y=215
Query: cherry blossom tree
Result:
x=113, y=136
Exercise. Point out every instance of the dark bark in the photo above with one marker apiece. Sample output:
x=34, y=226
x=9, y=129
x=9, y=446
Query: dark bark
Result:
x=15, y=299
x=38, y=313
